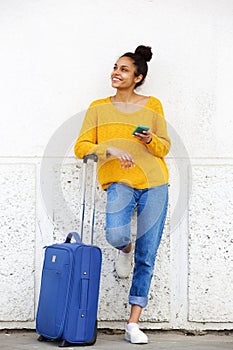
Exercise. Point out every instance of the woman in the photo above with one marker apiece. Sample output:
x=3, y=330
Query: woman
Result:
x=132, y=170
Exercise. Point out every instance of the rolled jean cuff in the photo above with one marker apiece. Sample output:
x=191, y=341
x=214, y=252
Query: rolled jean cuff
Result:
x=141, y=301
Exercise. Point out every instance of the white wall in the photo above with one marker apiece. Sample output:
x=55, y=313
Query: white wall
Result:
x=56, y=57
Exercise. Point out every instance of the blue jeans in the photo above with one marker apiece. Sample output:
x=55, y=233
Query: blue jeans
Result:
x=151, y=206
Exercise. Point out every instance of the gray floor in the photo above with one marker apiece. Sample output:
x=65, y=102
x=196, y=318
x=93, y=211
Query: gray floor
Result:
x=157, y=341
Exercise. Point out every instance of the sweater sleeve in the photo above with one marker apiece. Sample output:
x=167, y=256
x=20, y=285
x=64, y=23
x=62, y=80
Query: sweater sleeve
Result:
x=160, y=143
x=87, y=142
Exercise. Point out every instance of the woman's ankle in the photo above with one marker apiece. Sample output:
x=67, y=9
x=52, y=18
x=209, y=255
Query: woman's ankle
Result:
x=127, y=249
x=135, y=314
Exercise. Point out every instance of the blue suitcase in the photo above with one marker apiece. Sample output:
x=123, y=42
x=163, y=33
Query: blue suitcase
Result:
x=68, y=301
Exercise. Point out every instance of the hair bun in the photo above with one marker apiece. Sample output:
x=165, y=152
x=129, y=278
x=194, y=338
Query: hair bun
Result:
x=145, y=52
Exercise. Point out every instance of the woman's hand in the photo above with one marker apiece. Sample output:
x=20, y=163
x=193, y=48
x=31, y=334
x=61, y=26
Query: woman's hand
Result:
x=145, y=137
x=126, y=160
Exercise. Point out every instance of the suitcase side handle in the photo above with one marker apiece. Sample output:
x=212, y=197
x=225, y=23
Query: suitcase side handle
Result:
x=75, y=235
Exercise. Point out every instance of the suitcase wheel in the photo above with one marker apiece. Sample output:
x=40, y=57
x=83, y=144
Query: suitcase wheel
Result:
x=42, y=338
x=64, y=344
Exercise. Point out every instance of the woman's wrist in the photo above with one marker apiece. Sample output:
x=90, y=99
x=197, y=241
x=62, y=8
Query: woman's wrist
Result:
x=149, y=141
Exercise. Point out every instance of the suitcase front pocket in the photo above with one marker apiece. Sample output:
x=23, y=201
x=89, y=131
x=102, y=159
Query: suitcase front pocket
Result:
x=53, y=294
x=48, y=314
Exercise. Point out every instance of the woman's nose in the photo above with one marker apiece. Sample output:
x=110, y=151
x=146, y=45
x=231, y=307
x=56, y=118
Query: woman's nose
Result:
x=116, y=71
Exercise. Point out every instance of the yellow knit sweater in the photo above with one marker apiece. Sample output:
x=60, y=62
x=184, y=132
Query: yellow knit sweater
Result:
x=104, y=125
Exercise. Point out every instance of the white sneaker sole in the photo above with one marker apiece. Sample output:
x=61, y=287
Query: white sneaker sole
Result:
x=128, y=338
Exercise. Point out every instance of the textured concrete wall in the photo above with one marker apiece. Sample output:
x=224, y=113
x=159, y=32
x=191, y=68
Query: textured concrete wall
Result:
x=211, y=244
x=56, y=57
x=17, y=244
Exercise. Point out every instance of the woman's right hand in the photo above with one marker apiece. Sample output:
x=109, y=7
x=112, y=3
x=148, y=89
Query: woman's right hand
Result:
x=126, y=160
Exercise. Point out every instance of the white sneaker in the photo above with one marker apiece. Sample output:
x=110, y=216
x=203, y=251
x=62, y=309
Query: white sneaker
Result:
x=123, y=264
x=134, y=335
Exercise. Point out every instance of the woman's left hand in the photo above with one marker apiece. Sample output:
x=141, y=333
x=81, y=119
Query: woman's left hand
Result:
x=145, y=137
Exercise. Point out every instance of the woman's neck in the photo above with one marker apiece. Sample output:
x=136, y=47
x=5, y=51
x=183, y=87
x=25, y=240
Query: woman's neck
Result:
x=129, y=98
x=125, y=97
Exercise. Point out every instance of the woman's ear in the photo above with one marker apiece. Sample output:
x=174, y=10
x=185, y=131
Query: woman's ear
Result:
x=138, y=78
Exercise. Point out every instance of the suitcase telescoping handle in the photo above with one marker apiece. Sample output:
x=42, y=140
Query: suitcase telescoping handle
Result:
x=93, y=192
x=90, y=156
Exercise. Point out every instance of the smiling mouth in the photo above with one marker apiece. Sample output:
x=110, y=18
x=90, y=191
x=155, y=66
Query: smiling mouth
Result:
x=116, y=79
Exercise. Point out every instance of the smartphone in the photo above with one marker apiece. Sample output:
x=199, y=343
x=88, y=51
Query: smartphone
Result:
x=140, y=129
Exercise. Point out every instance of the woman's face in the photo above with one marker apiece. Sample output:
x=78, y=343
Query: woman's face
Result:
x=123, y=74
